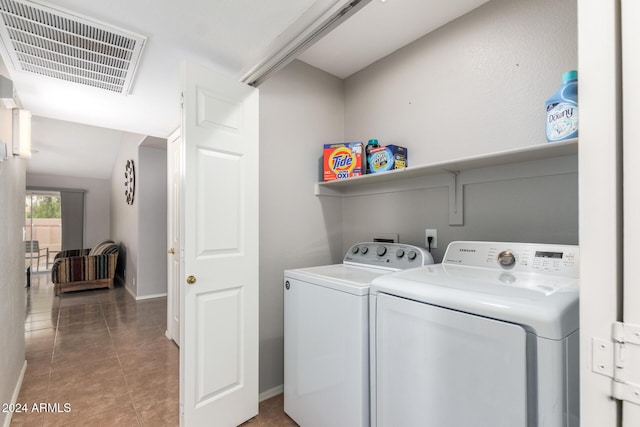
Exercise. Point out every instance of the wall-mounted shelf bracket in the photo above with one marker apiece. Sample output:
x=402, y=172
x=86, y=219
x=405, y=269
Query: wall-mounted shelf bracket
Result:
x=456, y=199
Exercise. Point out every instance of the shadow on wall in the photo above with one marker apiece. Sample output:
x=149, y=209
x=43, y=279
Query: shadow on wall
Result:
x=333, y=221
x=121, y=267
x=332, y=214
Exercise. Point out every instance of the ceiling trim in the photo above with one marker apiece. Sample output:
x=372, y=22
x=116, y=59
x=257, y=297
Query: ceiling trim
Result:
x=280, y=57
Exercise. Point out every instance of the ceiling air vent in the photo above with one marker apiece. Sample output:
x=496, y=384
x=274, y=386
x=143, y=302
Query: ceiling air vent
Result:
x=64, y=46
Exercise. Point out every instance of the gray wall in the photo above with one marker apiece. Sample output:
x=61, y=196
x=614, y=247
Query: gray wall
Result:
x=141, y=228
x=97, y=202
x=475, y=86
x=12, y=276
x=152, y=222
x=124, y=217
x=301, y=108
x=539, y=210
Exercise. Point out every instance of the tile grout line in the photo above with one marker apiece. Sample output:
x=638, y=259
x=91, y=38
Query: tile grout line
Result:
x=124, y=376
x=57, y=298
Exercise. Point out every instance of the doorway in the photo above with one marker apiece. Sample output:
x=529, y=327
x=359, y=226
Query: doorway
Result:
x=54, y=222
x=43, y=229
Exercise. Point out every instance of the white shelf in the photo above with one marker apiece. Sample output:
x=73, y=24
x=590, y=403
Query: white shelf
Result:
x=538, y=160
x=532, y=153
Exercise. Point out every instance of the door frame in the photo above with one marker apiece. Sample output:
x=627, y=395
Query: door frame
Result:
x=600, y=195
x=173, y=210
x=630, y=39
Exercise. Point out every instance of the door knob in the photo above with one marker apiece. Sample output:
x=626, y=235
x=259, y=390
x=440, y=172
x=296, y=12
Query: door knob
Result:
x=191, y=280
x=171, y=251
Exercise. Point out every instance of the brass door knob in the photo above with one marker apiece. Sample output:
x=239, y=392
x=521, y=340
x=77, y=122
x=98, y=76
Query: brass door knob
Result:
x=191, y=280
x=171, y=251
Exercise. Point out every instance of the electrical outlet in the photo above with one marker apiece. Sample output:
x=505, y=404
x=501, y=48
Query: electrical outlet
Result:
x=431, y=232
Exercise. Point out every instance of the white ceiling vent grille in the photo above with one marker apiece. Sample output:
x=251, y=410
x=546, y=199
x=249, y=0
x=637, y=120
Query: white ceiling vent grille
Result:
x=57, y=44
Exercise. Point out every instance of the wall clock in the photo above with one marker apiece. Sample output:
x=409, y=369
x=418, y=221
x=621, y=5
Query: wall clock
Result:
x=129, y=181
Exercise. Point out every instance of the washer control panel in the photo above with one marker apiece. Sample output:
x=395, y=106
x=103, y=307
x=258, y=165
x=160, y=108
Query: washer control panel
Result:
x=394, y=256
x=562, y=260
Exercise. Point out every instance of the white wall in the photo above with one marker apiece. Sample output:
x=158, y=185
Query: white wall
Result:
x=152, y=222
x=301, y=108
x=12, y=281
x=97, y=202
x=124, y=217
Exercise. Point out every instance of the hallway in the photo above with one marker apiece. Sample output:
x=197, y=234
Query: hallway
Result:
x=104, y=359
x=100, y=352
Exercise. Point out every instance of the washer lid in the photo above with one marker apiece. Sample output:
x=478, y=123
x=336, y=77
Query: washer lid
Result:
x=341, y=277
x=544, y=304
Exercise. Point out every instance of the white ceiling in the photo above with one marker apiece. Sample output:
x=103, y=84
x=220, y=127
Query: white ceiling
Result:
x=228, y=35
x=73, y=149
x=379, y=29
x=224, y=34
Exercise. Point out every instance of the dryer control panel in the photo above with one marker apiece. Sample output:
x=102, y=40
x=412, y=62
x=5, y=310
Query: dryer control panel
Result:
x=561, y=260
x=392, y=256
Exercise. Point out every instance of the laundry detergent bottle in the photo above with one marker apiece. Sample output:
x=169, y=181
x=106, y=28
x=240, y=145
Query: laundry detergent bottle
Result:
x=562, y=109
x=371, y=145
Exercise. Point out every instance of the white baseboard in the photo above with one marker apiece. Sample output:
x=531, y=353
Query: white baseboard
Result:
x=151, y=296
x=16, y=393
x=267, y=394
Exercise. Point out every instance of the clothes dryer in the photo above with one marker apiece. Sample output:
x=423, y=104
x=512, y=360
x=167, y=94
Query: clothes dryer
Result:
x=326, y=333
x=488, y=338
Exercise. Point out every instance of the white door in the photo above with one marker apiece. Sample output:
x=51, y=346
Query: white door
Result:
x=630, y=16
x=174, y=281
x=219, y=291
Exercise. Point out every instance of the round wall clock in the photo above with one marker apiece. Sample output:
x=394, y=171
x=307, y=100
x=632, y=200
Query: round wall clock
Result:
x=129, y=181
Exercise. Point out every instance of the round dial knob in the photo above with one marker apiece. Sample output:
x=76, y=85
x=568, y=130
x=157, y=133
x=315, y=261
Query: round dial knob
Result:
x=364, y=250
x=381, y=250
x=400, y=253
x=354, y=250
x=506, y=258
x=412, y=255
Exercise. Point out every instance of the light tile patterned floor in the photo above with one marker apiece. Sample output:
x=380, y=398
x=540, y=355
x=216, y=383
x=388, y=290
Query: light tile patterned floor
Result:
x=105, y=357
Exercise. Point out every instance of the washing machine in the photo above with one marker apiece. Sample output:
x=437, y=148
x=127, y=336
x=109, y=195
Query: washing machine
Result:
x=487, y=338
x=326, y=333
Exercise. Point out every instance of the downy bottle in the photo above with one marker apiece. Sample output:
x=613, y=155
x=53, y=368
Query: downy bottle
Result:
x=562, y=109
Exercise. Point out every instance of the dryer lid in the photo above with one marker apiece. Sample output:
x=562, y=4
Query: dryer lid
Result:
x=546, y=305
x=341, y=277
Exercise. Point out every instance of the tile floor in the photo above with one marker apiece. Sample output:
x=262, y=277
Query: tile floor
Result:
x=106, y=356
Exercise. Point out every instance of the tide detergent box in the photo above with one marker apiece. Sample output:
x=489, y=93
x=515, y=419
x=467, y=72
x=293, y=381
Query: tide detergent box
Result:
x=343, y=160
x=387, y=158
